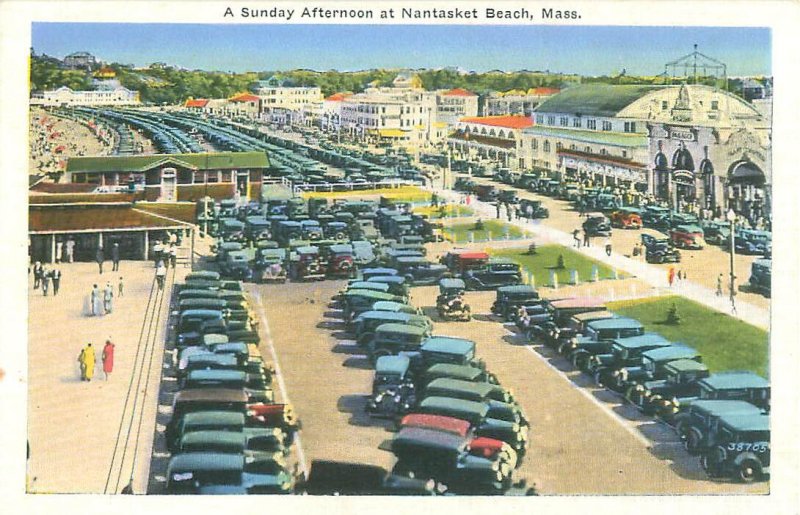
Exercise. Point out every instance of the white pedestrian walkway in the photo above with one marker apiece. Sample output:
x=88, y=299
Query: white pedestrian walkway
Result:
x=654, y=276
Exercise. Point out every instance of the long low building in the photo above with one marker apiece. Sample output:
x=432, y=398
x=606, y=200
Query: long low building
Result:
x=175, y=177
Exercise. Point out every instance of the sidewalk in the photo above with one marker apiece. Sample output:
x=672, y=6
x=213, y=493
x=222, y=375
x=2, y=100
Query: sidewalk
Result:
x=72, y=425
x=652, y=275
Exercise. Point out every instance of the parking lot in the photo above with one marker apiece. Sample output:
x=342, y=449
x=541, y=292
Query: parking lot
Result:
x=584, y=440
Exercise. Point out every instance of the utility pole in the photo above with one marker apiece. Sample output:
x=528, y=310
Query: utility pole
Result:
x=732, y=219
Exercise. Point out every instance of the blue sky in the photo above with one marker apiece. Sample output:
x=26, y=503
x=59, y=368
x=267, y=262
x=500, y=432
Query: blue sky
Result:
x=248, y=47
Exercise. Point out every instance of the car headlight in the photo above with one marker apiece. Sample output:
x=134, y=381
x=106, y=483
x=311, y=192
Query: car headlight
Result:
x=615, y=373
x=498, y=475
x=676, y=402
x=640, y=388
x=515, y=427
x=624, y=374
x=495, y=465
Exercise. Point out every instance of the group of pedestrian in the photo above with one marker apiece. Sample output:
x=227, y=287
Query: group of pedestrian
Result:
x=101, y=302
x=43, y=277
x=65, y=251
x=166, y=252
x=100, y=257
x=87, y=359
x=672, y=275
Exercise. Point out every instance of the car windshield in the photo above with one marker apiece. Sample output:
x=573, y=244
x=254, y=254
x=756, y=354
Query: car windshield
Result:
x=619, y=351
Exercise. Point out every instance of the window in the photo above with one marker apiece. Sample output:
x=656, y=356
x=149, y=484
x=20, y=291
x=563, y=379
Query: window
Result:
x=534, y=144
x=664, y=105
x=591, y=124
x=715, y=105
x=558, y=146
x=624, y=153
x=576, y=122
x=603, y=152
x=546, y=146
x=551, y=120
x=588, y=150
x=606, y=126
x=564, y=121
x=630, y=126
x=539, y=119
x=573, y=147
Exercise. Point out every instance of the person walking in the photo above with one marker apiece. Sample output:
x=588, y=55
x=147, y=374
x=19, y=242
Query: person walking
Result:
x=161, y=274
x=158, y=251
x=100, y=257
x=37, y=275
x=108, y=358
x=121, y=288
x=586, y=238
x=70, y=250
x=529, y=212
x=576, y=236
x=59, y=250
x=115, y=257
x=173, y=255
x=497, y=208
x=671, y=275
x=719, y=285
x=108, y=298
x=95, y=301
x=45, y=281
x=87, y=359
x=56, y=276
x=608, y=247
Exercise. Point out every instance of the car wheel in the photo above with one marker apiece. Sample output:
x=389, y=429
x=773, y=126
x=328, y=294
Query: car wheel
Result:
x=712, y=461
x=581, y=361
x=692, y=439
x=631, y=395
x=599, y=379
x=749, y=471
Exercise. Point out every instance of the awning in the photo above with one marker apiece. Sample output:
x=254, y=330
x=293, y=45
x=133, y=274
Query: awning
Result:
x=747, y=171
x=391, y=133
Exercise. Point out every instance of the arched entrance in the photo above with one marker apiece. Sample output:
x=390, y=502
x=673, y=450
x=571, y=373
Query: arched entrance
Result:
x=683, y=174
x=747, y=189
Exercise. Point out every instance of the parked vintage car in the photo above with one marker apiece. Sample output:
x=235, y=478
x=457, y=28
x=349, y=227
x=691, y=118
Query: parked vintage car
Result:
x=257, y=228
x=597, y=339
x=461, y=261
x=742, y=449
x=597, y=224
x=656, y=217
x=450, y=303
x=429, y=453
x=392, y=338
x=687, y=237
x=307, y=263
x=266, y=443
x=623, y=353
x=397, y=284
x=356, y=301
x=342, y=478
x=445, y=349
x=696, y=424
x=478, y=414
x=460, y=372
x=537, y=210
x=745, y=386
x=270, y=266
x=626, y=218
x=510, y=297
x=393, y=388
x=495, y=273
x=651, y=368
x=748, y=241
x=287, y=230
x=366, y=323
x=716, y=233
x=256, y=386
x=363, y=253
x=221, y=251
x=419, y=271
x=238, y=265
x=340, y=260
x=196, y=473
x=660, y=250
x=551, y=325
x=231, y=229
x=398, y=307
x=469, y=390
x=761, y=276
x=311, y=230
x=678, y=378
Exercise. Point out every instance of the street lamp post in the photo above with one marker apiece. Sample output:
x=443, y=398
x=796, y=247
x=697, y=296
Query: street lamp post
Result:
x=731, y=216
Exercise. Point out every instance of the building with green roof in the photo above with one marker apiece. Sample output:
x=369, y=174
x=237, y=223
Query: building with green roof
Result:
x=171, y=177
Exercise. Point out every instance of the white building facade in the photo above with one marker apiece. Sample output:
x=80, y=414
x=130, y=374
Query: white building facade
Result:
x=65, y=96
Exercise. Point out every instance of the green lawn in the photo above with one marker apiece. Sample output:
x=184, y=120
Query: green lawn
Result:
x=401, y=194
x=726, y=343
x=546, y=259
x=459, y=233
x=450, y=210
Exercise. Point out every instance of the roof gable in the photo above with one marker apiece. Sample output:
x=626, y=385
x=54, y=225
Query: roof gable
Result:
x=509, y=122
x=595, y=99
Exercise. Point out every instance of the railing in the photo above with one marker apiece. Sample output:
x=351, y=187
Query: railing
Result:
x=351, y=186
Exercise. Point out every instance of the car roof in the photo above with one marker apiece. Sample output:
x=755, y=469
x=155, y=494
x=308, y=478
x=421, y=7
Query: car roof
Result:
x=384, y=315
x=411, y=259
x=230, y=438
x=447, y=403
x=674, y=352
x=211, y=394
x=628, y=209
x=371, y=294
x=716, y=407
x=689, y=228
x=502, y=261
x=517, y=288
x=388, y=305
x=341, y=248
x=452, y=283
x=204, y=313
x=594, y=315
x=379, y=271
x=438, y=422
x=208, y=357
x=472, y=255
x=206, y=461
x=387, y=279
x=725, y=380
x=482, y=389
x=429, y=438
x=456, y=371
x=392, y=365
x=307, y=249
x=289, y=223
x=763, y=262
x=201, y=375
x=214, y=417
x=400, y=328
x=645, y=340
x=203, y=274
x=746, y=422
x=615, y=323
x=450, y=345
x=366, y=285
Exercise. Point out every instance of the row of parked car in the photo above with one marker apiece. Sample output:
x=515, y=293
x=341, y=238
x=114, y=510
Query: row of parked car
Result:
x=226, y=434
x=606, y=211
x=722, y=417
x=458, y=430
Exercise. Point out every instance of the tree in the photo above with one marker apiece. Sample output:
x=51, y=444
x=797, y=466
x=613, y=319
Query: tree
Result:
x=560, y=263
x=673, y=318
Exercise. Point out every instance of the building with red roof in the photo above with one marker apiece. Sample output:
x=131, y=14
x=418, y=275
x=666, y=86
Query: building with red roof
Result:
x=508, y=122
x=454, y=104
x=497, y=138
x=199, y=103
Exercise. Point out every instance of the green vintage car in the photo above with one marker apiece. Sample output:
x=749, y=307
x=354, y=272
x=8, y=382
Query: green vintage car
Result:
x=741, y=450
x=356, y=301
x=258, y=442
x=460, y=372
x=468, y=390
x=257, y=386
x=400, y=307
x=366, y=323
x=393, y=338
x=195, y=473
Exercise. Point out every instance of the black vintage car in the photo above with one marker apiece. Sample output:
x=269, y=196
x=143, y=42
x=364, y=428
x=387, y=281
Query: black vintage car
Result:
x=660, y=250
x=497, y=272
x=537, y=210
x=597, y=224
x=510, y=297
x=417, y=270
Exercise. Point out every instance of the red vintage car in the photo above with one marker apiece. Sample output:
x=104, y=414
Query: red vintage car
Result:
x=687, y=237
x=340, y=261
x=626, y=218
x=460, y=261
